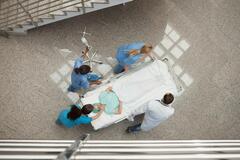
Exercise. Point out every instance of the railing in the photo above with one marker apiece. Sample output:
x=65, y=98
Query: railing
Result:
x=147, y=150
x=18, y=12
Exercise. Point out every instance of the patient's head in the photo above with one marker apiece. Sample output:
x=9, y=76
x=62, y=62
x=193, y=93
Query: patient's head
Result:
x=74, y=113
x=146, y=49
x=168, y=98
x=84, y=69
x=87, y=108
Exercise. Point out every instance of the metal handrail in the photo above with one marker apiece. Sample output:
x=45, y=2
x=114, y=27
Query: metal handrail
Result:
x=45, y=4
x=12, y=5
x=17, y=18
x=29, y=4
x=44, y=13
x=83, y=6
x=29, y=15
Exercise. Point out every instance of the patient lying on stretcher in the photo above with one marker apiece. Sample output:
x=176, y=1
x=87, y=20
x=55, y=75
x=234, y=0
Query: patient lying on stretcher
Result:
x=110, y=101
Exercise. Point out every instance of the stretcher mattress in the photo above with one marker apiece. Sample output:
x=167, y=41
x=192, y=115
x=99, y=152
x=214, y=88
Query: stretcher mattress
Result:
x=134, y=90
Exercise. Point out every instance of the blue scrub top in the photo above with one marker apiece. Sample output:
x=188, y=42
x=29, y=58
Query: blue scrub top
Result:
x=78, y=80
x=123, y=56
x=62, y=118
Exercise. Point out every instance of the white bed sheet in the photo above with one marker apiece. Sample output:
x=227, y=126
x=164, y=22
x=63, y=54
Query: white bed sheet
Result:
x=134, y=90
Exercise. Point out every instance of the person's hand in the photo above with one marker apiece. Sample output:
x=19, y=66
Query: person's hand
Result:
x=126, y=68
x=120, y=108
x=109, y=89
x=86, y=49
x=118, y=112
x=133, y=52
x=101, y=107
x=98, y=82
x=84, y=53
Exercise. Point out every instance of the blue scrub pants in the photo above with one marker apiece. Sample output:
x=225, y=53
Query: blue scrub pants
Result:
x=118, y=69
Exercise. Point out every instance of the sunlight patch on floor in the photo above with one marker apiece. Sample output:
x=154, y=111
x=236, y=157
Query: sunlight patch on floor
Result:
x=62, y=76
x=177, y=69
x=173, y=46
x=65, y=69
x=159, y=50
x=56, y=77
x=166, y=42
x=184, y=45
x=63, y=86
x=187, y=79
x=65, y=52
x=174, y=36
x=176, y=52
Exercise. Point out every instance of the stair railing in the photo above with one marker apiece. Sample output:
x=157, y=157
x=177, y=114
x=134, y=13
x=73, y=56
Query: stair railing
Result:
x=27, y=13
x=34, y=10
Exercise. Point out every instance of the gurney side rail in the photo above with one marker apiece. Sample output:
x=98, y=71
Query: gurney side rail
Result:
x=140, y=66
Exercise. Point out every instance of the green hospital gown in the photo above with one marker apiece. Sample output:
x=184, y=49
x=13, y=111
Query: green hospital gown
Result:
x=110, y=100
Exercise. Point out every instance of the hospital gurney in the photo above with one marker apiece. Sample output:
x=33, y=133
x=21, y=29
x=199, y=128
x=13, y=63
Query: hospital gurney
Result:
x=135, y=88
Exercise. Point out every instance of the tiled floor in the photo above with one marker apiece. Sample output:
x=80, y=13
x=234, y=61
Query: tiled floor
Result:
x=201, y=39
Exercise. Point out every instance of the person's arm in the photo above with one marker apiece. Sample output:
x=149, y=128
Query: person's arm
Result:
x=84, y=84
x=126, y=68
x=133, y=52
x=131, y=59
x=119, y=108
x=109, y=89
x=101, y=108
x=97, y=115
x=95, y=82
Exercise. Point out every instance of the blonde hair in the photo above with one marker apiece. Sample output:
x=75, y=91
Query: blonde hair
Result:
x=145, y=49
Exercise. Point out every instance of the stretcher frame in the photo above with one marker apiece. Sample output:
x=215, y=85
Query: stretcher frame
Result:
x=136, y=68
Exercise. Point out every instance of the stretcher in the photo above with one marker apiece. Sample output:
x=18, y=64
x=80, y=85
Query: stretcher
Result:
x=135, y=88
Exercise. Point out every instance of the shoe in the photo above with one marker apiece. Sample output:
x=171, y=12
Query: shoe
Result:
x=134, y=129
x=57, y=122
x=70, y=89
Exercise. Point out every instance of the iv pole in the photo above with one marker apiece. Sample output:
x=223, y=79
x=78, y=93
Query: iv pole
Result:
x=89, y=54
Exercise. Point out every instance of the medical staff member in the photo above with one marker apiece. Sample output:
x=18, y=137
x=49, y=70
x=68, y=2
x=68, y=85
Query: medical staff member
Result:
x=76, y=116
x=131, y=53
x=156, y=111
x=81, y=78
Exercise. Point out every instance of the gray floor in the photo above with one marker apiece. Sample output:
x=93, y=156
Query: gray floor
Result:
x=208, y=109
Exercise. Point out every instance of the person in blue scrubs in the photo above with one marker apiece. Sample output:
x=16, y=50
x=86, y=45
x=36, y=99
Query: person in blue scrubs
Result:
x=76, y=116
x=129, y=54
x=81, y=78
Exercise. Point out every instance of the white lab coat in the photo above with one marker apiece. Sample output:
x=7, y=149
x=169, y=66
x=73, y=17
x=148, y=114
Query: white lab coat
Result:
x=155, y=113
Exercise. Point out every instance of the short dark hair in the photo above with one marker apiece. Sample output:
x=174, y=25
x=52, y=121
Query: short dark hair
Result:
x=83, y=69
x=87, y=108
x=168, y=98
x=74, y=113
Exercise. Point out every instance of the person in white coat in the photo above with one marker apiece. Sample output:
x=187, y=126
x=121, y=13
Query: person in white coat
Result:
x=155, y=112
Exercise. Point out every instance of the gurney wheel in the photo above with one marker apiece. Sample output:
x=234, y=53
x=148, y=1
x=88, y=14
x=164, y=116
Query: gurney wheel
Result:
x=165, y=59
